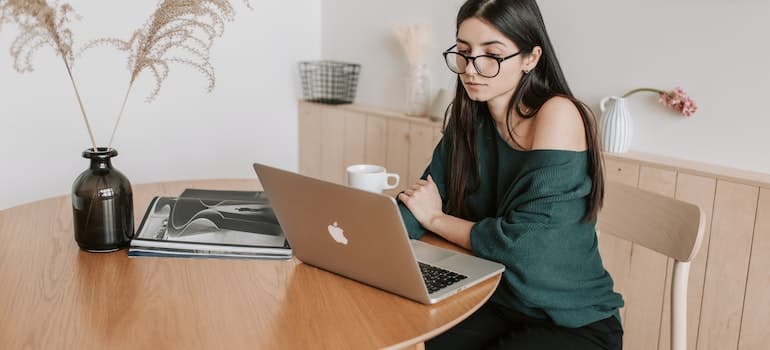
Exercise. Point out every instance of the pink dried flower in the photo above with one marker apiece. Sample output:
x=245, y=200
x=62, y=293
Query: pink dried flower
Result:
x=679, y=101
x=675, y=99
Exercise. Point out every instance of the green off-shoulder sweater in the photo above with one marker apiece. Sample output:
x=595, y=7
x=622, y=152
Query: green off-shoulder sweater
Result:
x=529, y=215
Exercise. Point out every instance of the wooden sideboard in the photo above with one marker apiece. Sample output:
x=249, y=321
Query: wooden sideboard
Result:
x=332, y=137
x=729, y=287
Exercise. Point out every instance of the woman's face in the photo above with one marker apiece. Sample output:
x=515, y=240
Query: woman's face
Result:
x=476, y=37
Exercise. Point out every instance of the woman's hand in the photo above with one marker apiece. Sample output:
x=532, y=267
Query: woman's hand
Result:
x=424, y=201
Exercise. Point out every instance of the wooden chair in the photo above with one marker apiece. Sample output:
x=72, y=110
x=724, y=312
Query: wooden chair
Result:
x=666, y=225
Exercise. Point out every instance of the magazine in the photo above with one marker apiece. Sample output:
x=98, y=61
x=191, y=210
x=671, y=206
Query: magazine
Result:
x=211, y=223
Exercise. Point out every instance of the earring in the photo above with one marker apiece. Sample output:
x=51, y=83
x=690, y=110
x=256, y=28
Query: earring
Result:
x=526, y=71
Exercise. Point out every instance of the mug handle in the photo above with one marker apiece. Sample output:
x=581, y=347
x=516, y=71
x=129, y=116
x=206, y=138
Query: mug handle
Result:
x=388, y=186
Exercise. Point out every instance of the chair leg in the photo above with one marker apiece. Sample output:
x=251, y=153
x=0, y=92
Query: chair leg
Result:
x=679, y=305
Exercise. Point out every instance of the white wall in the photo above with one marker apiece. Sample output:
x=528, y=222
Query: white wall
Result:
x=718, y=51
x=361, y=32
x=186, y=133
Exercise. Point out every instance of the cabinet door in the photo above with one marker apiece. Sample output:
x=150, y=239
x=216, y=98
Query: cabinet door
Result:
x=646, y=275
x=355, y=138
x=438, y=133
x=333, y=145
x=420, y=150
x=697, y=190
x=615, y=252
x=310, y=120
x=728, y=264
x=376, y=140
x=397, y=152
x=754, y=333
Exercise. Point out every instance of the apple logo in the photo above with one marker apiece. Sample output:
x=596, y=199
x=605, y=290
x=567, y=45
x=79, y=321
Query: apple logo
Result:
x=337, y=233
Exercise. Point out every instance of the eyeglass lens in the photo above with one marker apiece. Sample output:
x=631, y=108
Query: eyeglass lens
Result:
x=485, y=66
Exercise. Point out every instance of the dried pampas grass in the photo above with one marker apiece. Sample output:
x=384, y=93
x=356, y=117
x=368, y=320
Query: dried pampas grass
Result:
x=41, y=24
x=415, y=40
x=177, y=32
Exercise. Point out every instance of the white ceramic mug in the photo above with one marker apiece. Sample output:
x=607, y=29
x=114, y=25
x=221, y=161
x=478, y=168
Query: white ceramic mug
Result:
x=372, y=178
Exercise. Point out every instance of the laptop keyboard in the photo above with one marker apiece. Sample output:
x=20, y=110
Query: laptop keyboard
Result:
x=437, y=278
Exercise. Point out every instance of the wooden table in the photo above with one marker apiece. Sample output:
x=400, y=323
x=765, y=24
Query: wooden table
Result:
x=52, y=295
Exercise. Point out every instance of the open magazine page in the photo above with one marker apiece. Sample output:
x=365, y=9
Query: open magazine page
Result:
x=201, y=222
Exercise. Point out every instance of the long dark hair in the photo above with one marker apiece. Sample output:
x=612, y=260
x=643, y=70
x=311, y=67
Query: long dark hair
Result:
x=521, y=22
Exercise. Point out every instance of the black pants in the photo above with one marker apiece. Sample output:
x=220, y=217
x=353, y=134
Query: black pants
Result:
x=496, y=327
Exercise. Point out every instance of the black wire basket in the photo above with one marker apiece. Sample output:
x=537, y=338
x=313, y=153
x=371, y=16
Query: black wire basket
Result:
x=329, y=82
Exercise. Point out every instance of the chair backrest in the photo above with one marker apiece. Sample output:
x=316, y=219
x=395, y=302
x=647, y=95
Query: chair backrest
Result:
x=666, y=225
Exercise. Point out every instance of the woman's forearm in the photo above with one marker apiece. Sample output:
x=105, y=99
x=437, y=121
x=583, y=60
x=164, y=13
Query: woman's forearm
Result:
x=453, y=229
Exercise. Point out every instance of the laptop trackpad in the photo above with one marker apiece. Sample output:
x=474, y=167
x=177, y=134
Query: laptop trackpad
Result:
x=428, y=253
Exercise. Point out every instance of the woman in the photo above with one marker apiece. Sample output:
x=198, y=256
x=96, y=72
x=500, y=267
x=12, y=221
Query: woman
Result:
x=517, y=178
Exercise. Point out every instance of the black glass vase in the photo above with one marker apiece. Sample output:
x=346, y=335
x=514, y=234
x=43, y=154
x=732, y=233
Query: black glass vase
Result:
x=102, y=204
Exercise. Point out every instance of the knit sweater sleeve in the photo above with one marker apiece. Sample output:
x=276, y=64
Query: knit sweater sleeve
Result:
x=540, y=235
x=436, y=170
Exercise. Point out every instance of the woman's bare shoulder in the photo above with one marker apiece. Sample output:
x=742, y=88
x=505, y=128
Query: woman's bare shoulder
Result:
x=559, y=126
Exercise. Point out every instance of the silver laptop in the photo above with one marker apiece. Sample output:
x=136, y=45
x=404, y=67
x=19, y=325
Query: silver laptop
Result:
x=360, y=235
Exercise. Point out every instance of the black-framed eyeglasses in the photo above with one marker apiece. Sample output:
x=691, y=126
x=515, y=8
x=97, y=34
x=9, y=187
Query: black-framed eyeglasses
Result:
x=487, y=66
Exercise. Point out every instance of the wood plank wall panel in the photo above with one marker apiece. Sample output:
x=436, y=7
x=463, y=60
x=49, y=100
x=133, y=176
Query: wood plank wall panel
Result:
x=728, y=261
x=420, y=151
x=438, y=133
x=397, y=154
x=615, y=252
x=376, y=140
x=646, y=277
x=755, y=325
x=664, y=333
x=355, y=139
x=697, y=190
x=333, y=145
x=310, y=140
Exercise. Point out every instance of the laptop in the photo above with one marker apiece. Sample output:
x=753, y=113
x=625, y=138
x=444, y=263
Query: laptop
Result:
x=360, y=235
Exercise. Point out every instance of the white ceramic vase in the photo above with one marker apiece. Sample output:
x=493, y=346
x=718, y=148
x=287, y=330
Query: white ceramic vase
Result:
x=616, y=126
x=418, y=96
